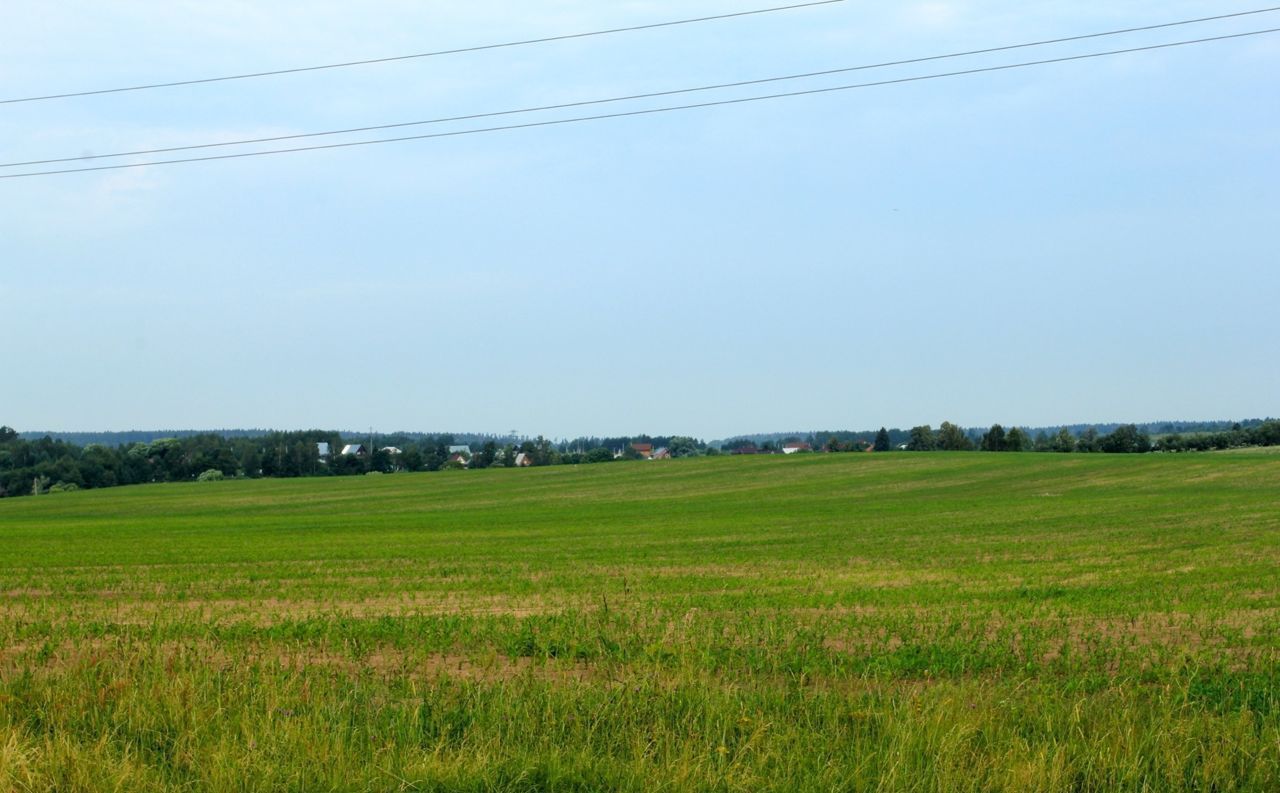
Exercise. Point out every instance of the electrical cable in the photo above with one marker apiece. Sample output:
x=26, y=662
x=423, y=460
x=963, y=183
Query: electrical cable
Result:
x=631, y=97
x=650, y=111
x=394, y=58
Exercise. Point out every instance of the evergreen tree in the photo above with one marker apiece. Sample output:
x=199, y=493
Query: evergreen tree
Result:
x=882, y=441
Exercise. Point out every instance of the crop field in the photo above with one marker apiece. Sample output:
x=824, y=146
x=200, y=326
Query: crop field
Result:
x=925, y=622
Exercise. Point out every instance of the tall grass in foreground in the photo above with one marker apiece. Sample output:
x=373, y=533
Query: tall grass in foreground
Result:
x=145, y=720
x=925, y=623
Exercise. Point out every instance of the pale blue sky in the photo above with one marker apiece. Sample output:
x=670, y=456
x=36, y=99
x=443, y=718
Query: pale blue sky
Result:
x=1084, y=242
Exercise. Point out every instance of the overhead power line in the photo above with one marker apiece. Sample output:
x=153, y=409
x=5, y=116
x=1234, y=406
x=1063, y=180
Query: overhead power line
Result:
x=630, y=97
x=651, y=111
x=434, y=54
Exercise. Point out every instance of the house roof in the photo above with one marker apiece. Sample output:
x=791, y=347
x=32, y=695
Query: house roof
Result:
x=642, y=447
x=323, y=449
x=353, y=448
x=459, y=450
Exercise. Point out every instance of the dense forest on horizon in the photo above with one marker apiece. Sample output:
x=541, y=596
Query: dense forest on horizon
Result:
x=897, y=436
x=126, y=437
x=49, y=465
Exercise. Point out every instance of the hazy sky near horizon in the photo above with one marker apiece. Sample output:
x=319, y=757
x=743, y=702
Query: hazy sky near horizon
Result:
x=1080, y=242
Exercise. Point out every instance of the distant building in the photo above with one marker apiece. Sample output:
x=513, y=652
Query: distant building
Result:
x=460, y=450
x=796, y=446
x=392, y=450
x=460, y=459
x=661, y=454
x=645, y=450
x=354, y=450
x=322, y=449
x=523, y=460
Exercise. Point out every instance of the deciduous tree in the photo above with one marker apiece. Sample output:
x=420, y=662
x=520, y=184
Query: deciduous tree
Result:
x=951, y=438
x=922, y=439
x=993, y=441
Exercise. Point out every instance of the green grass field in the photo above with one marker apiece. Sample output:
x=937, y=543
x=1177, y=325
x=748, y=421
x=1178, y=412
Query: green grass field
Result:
x=925, y=622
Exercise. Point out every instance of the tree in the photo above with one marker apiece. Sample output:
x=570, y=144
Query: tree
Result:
x=1088, y=441
x=1064, y=441
x=411, y=459
x=922, y=439
x=99, y=466
x=508, y=456
x=380, y=460
x=540, y=452
x=1266, y=434
x=7, y=434
x=682, y=446
x=882, y=441
x=1016, y=441
x=488, y=455
x=599, y=455
x=993, y=441
x=1126, y=439
x=434, y=456
x=952, y=438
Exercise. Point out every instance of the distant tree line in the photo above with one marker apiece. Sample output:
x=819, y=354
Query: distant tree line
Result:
x=41, y=465
x=1264, y=434
x=1104, y=438
x=137, y=436
x=1122, y=439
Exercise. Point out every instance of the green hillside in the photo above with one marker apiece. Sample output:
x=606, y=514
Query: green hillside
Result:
x=818, y=622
